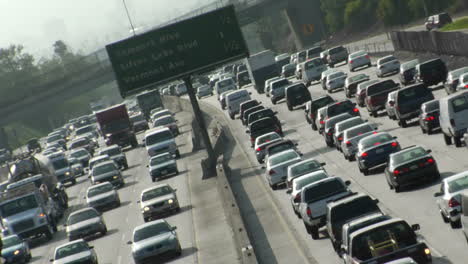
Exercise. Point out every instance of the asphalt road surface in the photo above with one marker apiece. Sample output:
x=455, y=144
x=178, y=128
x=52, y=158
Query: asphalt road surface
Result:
x=416, y=205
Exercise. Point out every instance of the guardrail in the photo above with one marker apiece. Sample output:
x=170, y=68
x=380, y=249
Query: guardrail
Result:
x=377, y=47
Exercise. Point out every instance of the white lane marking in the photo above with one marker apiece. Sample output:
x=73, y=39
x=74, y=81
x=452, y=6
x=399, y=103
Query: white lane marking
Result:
x=123, y=237
x=119, y=259
x=126, y=219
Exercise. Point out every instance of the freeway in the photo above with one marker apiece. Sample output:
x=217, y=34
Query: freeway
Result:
x=113, y=248
x=416, y=205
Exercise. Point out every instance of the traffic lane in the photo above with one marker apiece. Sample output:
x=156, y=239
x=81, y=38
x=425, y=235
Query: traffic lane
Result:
x=113, y=248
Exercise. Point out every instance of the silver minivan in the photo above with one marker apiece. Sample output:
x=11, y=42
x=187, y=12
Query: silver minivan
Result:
x=312, y=70
x=234, y=99
x=453, y=117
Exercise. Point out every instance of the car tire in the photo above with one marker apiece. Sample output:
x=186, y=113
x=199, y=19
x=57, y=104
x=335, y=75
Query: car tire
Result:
x=104, y=232
x=423, y=130
x=146, y=219
x=457, y=141
x=351, y=158
x=351, y=69
x=274, y=187
x=448, y=140
x=177, y=154
x=231, y=116
x=73, y=181
x=373, y=113
x=273, y=101
x=49, y=235
x=429, y=131
x=307, y=228
x=153, y=179
x=346, y=157
x=179, y=251
x=314, y=126
x=444, y=218
x=329, y=144
x=365, y=171
x=314, y=232
x=290, y=107
x=456, y=224
x=397, y=188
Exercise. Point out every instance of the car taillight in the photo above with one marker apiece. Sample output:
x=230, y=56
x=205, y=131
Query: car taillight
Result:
x=396, y=172
x=453, y=202
x=367, y=57
x=330, y=133
x=351, y=62
x=252, y=139
x=394, y=144
x=430, y=161
x=298, y=197
x=309, y=212
x=277, y=130
x=322, y=122
x=356, y=110
x=466, y=86
x=452, y=122
x=364, y=154
x=430, y=118
x=312, y=116
x=271, y=172
x=258, y=149
x=340, y=139
x=348, y=143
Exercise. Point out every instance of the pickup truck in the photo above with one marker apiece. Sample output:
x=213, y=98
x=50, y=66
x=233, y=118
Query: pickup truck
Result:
x=314, y=198
x=376, y=95
x=385, y=241
x=341, y=211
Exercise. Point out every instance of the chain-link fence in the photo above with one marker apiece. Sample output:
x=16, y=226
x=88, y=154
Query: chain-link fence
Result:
x=377, y=47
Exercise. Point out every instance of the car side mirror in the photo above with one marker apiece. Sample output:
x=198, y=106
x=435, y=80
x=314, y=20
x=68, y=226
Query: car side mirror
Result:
x=250, y=93
x=129, y=242
x=395, y=137
x=144, y=140
x=84, y=197
x=429, y=150
x=301, y=154
x=275, y=112
x=174, y=228
x=175, y=189
x=263, y=167
x=247, y=131
x=51, y=260
x=91, y=247
x=348, y=183
x=289, y=191
x=295, y=144
x=415, y=227
x=437, y=194
x=392, y=103
x=323, y=163
x=147, y=166
x=376, y=201
x=138, y=201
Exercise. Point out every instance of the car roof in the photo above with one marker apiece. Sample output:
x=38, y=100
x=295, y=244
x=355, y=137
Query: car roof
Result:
x=155, y=222
x=98, y=185
x=456, y=176
x=160, y=155
x=77, y=149
x=283, y=141
x=367, y=228
x=109, y=147
x=71, y=243
x=283, y=153
x=347, y=199
x=332, y=178
x=155, y=187
x=99, y=157
x=303, y=162
x=104, y=163
x=365, y=218
x=82, y=210
x=155, y=131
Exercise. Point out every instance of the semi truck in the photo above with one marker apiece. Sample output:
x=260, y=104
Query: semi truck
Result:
x=149, y=100
x=116, y=127
x=262, y=66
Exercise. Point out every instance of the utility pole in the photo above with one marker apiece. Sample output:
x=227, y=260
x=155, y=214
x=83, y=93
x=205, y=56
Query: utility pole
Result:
x=425, y=8
x=129, y=18
x=201, y=123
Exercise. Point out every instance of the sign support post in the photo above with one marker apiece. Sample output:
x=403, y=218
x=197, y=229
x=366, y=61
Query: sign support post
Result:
x=201, y=123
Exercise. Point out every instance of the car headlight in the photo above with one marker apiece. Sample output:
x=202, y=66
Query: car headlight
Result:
x=17, y=252
x=146, y=209
x=67, y=173
x=170, y=201
x=115, y=177
x=108, y=135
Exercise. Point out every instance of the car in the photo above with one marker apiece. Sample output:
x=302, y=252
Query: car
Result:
x=278, y=88
x=358, y=59
x=262, y=142
x=329, y=127
x=453, y=78
x=76, y=167
x=298, y=72
x=180, y=89
x=263, y=126
x=408, y=71
x=160, y=113
x=408, y=101
x=437, y=21
x=387, y=65
x=77, y=251
x=373, y=150
x=334, y=109
x=449, y=199
x=311, y=108
x=96, y=160
x=296, y=187
x=377, y=94
x=245, y=106
x=224, y=85
x=296, y=94
x=314, y=52
x=233, y=101
x=106, y=171
x=222, y=98
x=247, y=112
x=242, y=78
x=147, y=238
x=81, y=155
x=324, y=55
x=288, y=70
x=431, y=72
x=102, y=196
x=56, y=138
x=312, y=70
x=341, y=126
x=161, y=166
x=337, y=55
x=323, y=77
x=87, y=130
x=115, y=153
x=352, y=82
x=276, y=167
x=268, y=86
x=34, y=145
x=462, y=82
x=351, y=137
x=84, y=142
x=429, y=116
x=335, y=81
x=302, y=168
x=411, y=165
x=313, y=202
x=453, y=110
x=203, y=91
x=84, y=223
x=280, y=146
x=390, y=105
x=158, y=200
x=169, y=122
x=15, y=250
x=139, y=122
x=160, y=140
x=361, y=91
x=282, y=59
x=266, y=112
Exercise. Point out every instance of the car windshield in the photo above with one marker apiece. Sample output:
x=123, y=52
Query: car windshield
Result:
x=283, y=158
x=375, y=140
x=332, y=121
x=289, y=67
x=60, y=163
x=379, y=87
x=225, y=83
x=53, y=138
x=79, y=143
x=267, y=138
x=158, y=137
x=71, y=249
x=11, y=241
x=99, y=190
x=306, y=180
x=410, y=64
x=104, y=168
x=336, y=50
x=151, y=231
x=382, y=241
x=280, y=147
x=457, y=73
x=162, y=121
x=407, y=155
x=432, y=106
x=336, y=75
x=339, y=108
x=458, y=184
x=110, y=152
x=358, y=77
x=387, y=59
x=82, y=216
x=18, y=206
x=343, y=125
x=260, y=114
x=261, y=124
x=84, y=130
x=322, y=190
x=137, y=118
x=160, y=159
x=460, y=104
x=305, y=167
x=160, y=113
x=322, y=102
x=79, y=153
x=357, y=54
x=156, y=192
x=413, y=93
x=357, y=131
x=313, y=63
x=279, y=84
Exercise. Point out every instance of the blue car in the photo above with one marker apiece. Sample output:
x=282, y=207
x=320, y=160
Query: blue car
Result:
x=15, y=250
x=374, y=150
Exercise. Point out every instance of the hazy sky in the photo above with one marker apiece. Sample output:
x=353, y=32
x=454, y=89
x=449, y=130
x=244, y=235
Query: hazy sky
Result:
x=84, y=24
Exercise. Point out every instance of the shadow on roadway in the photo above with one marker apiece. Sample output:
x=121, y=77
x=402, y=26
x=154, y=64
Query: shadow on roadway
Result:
x=124, y=203
x=318, y=151
x=129, y=184
x=417, y=187
x=289, y=131
x=185, y=208
x=189, y=251
x=35, y=258
x=441, y=260
x=440, y=87
x=133, y=166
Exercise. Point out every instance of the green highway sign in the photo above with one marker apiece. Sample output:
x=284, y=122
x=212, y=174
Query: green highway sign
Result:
x=177, y=50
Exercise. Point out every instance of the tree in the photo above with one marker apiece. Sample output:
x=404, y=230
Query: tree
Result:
x=359, y=14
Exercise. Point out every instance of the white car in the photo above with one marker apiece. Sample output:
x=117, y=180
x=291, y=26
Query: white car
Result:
x=262, y=141
x=462, y=82
x=358, y=59
x=161, y=113
x=312, y=70
x=278, y=89
x=386, y=65
x=299, y=182
x=351, y=138
x=390, y=107
x=277, y=166
x=267, y=85
x=448, y=198
x=323, y=76
x=162, y=165
x=302, y=168
x=335, y=81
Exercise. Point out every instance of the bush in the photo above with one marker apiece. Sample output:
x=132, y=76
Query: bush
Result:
x=359, y=13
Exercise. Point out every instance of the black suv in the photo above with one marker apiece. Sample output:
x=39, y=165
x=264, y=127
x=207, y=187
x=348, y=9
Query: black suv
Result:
x=431, y=72
x=245, y=106
x=310, y=111
x=429, y=117
x=257, y=115
x=408, y=102
x=438, y=21
x=247, y=112
x=296, y=94
x=263, y=126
